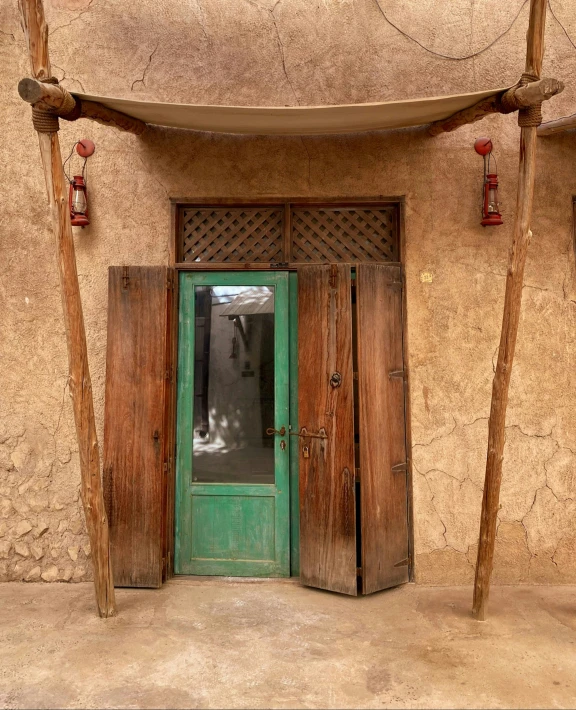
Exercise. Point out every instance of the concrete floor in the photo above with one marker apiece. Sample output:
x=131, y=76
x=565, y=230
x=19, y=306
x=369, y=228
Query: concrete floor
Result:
x=275, y=644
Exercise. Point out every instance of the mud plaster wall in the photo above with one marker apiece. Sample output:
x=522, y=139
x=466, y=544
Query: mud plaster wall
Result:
x=304, y=52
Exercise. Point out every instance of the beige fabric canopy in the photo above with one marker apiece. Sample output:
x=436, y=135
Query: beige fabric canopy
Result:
x=296, y=120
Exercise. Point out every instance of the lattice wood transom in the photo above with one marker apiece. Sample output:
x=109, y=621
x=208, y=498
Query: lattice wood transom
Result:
x=254, y=234
x=232, y=234
x=344, y=234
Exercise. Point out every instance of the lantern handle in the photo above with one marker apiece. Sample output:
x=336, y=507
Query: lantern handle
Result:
x=70, y=180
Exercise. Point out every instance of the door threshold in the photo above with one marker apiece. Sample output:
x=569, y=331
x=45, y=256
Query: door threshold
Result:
x=189, y=579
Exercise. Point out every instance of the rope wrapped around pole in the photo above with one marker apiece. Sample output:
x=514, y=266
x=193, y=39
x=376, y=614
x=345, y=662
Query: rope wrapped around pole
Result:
x=45, y=121
x=526, y=97
x=45, y=118
x=528, y=116
x=49, y=97
x=532, y=115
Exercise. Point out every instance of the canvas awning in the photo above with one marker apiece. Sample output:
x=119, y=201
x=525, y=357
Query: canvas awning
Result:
x=251, y=301
x=296, y=120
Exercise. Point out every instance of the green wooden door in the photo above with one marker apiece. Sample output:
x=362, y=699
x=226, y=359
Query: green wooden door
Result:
x=232, y=468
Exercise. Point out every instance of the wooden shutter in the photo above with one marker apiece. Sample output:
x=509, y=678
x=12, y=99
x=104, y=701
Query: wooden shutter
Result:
x=382, y=428
x=135, y=421
x=327, y=488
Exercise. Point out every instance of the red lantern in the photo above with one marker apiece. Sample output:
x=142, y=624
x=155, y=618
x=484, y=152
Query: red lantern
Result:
x=78, y=202
x=491, y=216
x=491, y=211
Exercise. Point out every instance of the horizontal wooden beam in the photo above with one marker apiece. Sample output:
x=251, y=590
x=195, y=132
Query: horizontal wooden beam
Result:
x=108, y=117
x=520, y=97
x=52, y=97
x=558, y=126
x=536, y=92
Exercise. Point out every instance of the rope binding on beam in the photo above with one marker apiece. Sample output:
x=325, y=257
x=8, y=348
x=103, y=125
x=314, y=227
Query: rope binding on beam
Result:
x=45, y=120
x=527, y=115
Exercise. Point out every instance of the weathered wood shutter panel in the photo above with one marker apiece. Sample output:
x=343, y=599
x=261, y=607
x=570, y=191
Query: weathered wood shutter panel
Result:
x=327, y=488
x=382, y=427
x=135, y=421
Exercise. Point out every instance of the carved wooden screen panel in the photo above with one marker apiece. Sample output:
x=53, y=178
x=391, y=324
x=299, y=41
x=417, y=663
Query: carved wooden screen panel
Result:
x=232, y=234
x=344, y=234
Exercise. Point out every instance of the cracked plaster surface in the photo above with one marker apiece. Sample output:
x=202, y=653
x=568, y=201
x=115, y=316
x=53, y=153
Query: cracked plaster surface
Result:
x=265, y=52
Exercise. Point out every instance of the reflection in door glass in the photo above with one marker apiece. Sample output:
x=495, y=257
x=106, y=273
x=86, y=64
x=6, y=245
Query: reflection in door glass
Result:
x=233, y=385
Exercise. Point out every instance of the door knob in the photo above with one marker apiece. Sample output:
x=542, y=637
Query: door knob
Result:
x=270, y=431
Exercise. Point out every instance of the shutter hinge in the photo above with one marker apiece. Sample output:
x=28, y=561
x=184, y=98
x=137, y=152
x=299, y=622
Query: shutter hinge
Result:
x=165, y=467
x=404, y=563
x=333, y=275
x=397, y=373
x=125, y=277
x=169, y=281
x=400, y=467
x=169, y=373
x=358, y=571
x=357, y=475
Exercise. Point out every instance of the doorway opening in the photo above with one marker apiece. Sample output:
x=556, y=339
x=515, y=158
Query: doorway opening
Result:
x=233, y=487
x=240, y=447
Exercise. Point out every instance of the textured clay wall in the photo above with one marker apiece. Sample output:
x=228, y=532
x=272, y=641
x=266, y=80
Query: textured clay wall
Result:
x=285, y=52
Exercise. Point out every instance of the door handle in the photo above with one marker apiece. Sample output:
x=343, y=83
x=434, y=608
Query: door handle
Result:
x=270, y=431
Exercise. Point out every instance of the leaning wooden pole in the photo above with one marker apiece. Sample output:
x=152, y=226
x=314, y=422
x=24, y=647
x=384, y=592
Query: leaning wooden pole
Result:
x=46, y=124
x=529, y=119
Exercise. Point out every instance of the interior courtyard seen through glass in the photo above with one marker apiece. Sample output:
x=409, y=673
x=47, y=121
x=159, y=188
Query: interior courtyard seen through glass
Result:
x=233, y=385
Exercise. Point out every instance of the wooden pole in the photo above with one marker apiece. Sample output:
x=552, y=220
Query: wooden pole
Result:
x=36, y=31
x=512, y=303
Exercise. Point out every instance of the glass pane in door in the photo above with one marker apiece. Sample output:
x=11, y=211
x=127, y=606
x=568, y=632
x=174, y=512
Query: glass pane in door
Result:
x=233, y=385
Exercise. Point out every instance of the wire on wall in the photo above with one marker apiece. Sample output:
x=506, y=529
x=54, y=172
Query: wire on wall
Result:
x=480, y=51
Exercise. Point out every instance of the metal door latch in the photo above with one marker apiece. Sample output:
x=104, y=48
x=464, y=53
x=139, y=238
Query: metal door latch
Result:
x=305, y=434
x=270, y=431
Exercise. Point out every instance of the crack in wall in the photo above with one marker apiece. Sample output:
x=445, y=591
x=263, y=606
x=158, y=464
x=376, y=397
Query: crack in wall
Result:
x=440, y=436
x=202, y=21
x=282, y=52
x=74, y=19
x=435, y=509
x=142, y=80
x=279, y=42
x=489, y=272
x=65, y=77
x=523, y=573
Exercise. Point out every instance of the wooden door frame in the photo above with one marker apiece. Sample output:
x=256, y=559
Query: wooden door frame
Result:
x=176, y=204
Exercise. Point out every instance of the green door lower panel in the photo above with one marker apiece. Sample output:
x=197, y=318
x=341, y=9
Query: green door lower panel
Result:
x=231, y=528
